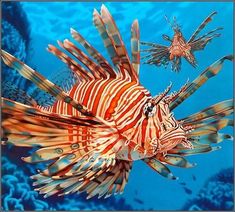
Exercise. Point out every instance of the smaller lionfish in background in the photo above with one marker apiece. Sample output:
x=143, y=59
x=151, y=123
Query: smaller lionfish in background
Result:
x=162, y=55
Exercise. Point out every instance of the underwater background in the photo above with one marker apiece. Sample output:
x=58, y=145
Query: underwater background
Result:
x=27, y=28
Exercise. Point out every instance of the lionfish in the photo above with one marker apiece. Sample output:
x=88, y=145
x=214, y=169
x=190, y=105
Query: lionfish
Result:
x=93, y=133
x=161, y=55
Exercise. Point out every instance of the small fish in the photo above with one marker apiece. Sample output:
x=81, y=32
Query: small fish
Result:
x=179, y=47
x=187, y=190
x=139, y=201
x=183, y=183
x=93, y=132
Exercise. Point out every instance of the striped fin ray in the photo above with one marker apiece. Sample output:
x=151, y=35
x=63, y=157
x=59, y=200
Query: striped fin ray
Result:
x=195, y=150
x=176, y=160
x=94, y=68
x=72, y=64
x=210, y=128
x=108, y=42
x=213, y=112
x=28, y=126
x=42, y=82
x=102, y=182
x=203, y=40
x=159, y=167
x=158, y=54
x=135, y=46
x=202, y=25
x=211, y=71
x=94, y=53
x=114, y=33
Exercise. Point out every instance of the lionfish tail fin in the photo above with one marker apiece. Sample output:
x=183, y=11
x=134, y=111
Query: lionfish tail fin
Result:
x=156, y=55
x=190, y=88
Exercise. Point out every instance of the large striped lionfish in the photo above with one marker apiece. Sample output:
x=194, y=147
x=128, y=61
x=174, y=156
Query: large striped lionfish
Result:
x=161, y=55
x=92, y=134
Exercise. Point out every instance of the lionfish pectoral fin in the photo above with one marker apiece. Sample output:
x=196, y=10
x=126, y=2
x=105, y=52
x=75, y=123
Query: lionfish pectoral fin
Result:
x=25, y=125
x=156, y=165
x=193, y=151
x=176, y=160
x=190, y=88
x=202, y=25
x=201, y=42
x=157, y=55
x=209, y=121
x=102, y=182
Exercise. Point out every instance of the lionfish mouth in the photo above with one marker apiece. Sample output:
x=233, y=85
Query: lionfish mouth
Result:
x=170, y=139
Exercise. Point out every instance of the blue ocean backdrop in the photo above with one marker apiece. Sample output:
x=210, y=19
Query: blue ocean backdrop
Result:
x=27, y=29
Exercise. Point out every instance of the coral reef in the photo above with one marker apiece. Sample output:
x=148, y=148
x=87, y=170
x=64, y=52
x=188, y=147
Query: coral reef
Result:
x=18, y=193
x=216, y=194
x=15, y=40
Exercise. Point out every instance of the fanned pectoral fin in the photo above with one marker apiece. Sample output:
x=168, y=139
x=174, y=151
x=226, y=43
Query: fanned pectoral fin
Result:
x=101, y=182
x=176, y=160
x=159, y=167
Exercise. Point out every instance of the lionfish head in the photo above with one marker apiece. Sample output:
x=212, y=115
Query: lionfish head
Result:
x=170, y=132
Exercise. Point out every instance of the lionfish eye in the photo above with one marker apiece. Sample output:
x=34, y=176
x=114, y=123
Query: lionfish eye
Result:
x=149, y=109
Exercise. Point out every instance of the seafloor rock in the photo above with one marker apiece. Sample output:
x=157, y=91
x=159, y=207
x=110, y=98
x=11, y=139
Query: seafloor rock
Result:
x=216, y=194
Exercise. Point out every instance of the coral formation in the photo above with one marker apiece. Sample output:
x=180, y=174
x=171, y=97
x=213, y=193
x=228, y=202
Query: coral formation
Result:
x=216, y=194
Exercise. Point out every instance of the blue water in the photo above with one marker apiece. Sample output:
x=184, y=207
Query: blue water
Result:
x=51, y=21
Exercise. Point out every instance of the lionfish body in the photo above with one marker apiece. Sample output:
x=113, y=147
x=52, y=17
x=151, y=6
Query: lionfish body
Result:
x=92, y=134
x=180, y=47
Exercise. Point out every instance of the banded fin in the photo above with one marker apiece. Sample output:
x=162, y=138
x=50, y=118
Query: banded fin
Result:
x=113, y=42
x=198, y=150
x=135, y=46
x=101, y=182
x=214, y=112
x=210, y=128
x=42, y=82
x=94, y=53
x=202, y=25
x=159, y=167
x=64, y=78
x=94, y=68
x=157, y=55
x=176, y=160
x=81, y=72
x=201, y=42
x=212, y=138
x=114, y=33
x=211, y=71
x=28, y=126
